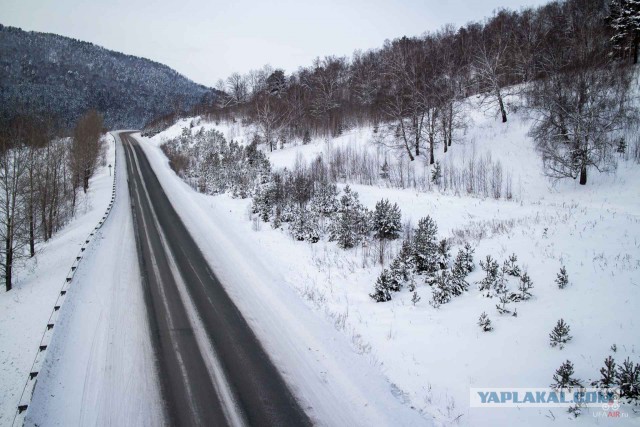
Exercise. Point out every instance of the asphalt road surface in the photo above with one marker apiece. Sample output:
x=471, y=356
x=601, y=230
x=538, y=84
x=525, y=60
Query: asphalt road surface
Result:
x=213, y=371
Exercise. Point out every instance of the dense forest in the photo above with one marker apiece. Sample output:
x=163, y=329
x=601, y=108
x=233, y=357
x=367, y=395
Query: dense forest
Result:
x=572, y=63
x=62, y=78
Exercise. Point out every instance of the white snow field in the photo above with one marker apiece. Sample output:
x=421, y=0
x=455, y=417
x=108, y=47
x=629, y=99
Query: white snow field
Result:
x=376, y=358
x=25, y=310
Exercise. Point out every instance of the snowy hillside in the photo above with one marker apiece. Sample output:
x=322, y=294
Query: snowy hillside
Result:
x=431, y=357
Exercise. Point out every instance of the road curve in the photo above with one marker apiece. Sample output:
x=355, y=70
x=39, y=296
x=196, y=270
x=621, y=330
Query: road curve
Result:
x=213, y=371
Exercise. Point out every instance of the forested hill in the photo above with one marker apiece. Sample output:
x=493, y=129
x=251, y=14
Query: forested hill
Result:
x=48, y=74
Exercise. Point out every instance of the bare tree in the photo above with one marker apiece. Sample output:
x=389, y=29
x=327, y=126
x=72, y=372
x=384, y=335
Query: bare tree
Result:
x=13, y=216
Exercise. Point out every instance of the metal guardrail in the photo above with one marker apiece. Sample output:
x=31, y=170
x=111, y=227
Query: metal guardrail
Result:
x=32, y=379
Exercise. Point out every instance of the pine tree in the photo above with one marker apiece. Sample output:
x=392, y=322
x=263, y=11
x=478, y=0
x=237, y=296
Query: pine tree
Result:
x=386, y=223
x=562, y=280
x=384, y=170
x=628, y=377
x=563, y=378
x=324, y=201
x=502, y=306
x=381, y=291
x=441, y=289
x=525, y=287
x=466, y=257
x=607, y=374
x=398, y=274
x=510, y=267
x=624, y=21
x=425, y=246
x=490, y=267
x=444, y=253
x=351, y=223
x=559, y=336
x=459, y=272
x=484, y=322
x=436, y=173
x=415, y=298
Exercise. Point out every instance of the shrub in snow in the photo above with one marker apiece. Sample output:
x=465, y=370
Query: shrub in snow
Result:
x=560, y=334
x=436, y=173
x=563, y=377
x=562, y=280
x=502, y=306
x=425, y=246
x=608, y=376
x=381, y=291
x=490, y=267
x=458, y=278
x=465, y=258
x=484, y=322
x=524, y=288
x=510, y=267
x=628, y=376
x=386, y=222
x=442, y=293
x=415, y=298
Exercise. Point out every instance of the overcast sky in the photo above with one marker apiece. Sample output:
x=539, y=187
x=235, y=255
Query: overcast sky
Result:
x=208, y=40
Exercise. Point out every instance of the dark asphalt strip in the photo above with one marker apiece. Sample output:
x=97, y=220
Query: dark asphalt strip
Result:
x=213, y=369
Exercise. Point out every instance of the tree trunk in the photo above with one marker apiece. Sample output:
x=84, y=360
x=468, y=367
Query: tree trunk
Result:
x=635, y=50
x=432, y=159
x=8, y=262
x=502, y=110
x=583, y=175
x=32, y=237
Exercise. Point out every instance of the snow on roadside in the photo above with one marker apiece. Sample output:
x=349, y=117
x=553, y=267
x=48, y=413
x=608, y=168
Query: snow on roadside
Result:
x=100, y=367
x=336, y=385
x=24, y=310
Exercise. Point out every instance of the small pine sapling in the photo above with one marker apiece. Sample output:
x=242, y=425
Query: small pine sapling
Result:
x=467, y=257
x=436, y=173
x=381, y=291
x=607, y=375
x=458, y=276
x=444, y=253
x=525, y=287
x=502, y=306
x=490, y=267
x=563, y=378
x=559, y=336
x=510, y=267
x=562, y=280
x=415, y=298
x=441, y=289
x=628, y=377
x=484, y=322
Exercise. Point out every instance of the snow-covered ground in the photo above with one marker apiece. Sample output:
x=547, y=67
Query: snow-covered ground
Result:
x=432, y=357
x=25, y=310
x=100, y=367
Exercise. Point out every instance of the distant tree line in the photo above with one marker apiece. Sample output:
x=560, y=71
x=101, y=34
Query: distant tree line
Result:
x=568, y=59
x=41, y=174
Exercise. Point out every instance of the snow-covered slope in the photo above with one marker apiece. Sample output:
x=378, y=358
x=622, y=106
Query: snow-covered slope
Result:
x=431, y=357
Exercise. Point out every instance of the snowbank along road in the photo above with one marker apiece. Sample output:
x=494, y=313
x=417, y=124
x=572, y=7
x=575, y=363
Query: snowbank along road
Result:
x=213, y=370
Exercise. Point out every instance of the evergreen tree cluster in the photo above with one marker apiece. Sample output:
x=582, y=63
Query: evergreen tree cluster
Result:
x=626, y=377
x=213, y=166
x=425, y=256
